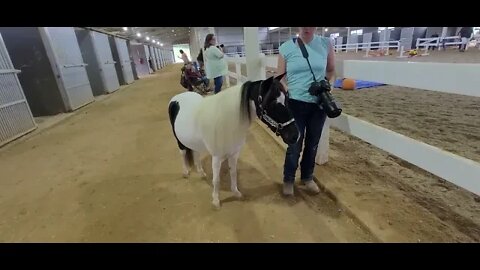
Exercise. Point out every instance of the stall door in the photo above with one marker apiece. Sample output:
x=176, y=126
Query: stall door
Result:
x=161, y=58
x=367, y=38
x=159, y=54
x=352, y=39
x=147, y=58
x=66, y=58
x=384, y=36
x=162, y=55
x=152, y=54
x=125, y=62
x=15, y=116
x=157, y=58
x=406, y=38
x=105, y=59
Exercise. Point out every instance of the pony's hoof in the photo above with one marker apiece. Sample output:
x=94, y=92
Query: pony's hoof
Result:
x=216, y=204
x=238, y=195
x=204, y=175
x=185, y=175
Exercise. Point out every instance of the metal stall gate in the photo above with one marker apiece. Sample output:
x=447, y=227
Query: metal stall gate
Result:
x=101, y=67
x=15, y=116
x=66, y=59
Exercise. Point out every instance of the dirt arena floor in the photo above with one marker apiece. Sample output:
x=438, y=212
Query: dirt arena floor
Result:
x=112, y=173
x=448, y=121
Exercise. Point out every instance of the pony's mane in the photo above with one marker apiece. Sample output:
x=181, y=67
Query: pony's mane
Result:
x=224, y=118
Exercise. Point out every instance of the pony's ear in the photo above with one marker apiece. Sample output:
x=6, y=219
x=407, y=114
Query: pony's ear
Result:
x=266, y=85
x=279, y=77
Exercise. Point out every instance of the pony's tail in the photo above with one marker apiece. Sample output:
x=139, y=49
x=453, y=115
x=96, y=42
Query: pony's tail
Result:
x=173, y=109
x=189, y=157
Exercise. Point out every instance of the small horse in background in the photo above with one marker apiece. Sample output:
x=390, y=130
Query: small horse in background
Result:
x=219, y=124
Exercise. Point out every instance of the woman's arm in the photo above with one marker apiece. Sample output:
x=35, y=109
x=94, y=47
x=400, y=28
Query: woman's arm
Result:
x=330, y=72
x=282, y=68
x=217, y=52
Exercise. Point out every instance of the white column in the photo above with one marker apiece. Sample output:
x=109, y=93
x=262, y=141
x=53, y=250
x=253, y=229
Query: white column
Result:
x=255, y=69
x=444, y=32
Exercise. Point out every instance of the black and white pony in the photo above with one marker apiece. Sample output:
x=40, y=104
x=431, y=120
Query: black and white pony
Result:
x=219, y=124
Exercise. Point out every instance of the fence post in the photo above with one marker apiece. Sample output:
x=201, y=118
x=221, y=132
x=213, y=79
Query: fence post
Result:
x=238, y=69
x=227, y=78
x=323, y=146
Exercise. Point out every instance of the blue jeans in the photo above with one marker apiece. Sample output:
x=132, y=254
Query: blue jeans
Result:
x=309, y=119
x=218, y=83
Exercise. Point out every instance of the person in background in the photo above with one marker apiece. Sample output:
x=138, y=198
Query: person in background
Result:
x=150, y=63
x=200, y=60
x=184, y=57
x=215, y=64
x=466, y=34
x=192, y=73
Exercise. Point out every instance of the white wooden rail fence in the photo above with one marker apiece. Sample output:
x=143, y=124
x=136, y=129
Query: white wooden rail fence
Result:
x=453, y=168
x=369, y=46
x=438, y=41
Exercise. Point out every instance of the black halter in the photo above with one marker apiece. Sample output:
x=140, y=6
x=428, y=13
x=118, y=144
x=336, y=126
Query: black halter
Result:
x=262, y=113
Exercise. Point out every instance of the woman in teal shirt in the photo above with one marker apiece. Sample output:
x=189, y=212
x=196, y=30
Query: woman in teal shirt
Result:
x=309, y=117
x=215, y=65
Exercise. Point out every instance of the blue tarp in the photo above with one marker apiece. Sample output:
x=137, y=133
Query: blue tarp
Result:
x=358, y=84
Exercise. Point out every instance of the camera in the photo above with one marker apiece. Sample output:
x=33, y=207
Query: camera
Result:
x=327, y=101
x=220, y=46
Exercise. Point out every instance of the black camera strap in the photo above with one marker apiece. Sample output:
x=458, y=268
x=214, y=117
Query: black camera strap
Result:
x=305, y=55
